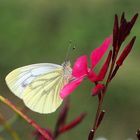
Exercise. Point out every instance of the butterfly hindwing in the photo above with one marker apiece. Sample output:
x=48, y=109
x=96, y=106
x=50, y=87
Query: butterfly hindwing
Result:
x=42, y=95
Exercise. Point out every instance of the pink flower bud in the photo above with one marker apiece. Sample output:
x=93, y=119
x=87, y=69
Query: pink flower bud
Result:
x=104, y=68
x=97, y=89
x=72, y=124
x=125, y=52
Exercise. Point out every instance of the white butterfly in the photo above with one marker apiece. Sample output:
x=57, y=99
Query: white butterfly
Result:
x=39, y=85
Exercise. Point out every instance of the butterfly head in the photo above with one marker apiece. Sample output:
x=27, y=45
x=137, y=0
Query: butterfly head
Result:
x=67, y=68
x=66, y=65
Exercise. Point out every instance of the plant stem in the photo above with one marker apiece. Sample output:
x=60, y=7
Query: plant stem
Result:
x=99, y=108
x=25, y=117
x=100, y=102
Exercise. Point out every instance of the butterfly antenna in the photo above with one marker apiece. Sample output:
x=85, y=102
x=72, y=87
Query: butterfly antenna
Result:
x=69, y=51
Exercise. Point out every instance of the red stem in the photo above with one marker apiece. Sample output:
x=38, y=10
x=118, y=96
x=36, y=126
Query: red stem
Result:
x=100, y=103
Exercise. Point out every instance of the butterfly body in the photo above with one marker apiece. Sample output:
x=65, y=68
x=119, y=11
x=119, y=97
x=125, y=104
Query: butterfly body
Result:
x=39, y=85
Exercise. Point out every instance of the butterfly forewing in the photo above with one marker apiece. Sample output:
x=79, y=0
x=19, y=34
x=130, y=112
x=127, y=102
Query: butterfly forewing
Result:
x=20, y=78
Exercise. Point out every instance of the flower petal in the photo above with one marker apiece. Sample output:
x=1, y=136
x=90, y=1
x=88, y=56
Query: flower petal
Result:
x=98, y=53
x=69, y=88
x=92, y=76
x=80, y=67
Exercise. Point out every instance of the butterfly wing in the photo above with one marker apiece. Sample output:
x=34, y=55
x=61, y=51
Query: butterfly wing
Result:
x=42, y=95
x=20, y=78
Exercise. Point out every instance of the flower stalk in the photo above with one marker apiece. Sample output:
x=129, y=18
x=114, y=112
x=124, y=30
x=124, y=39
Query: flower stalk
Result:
x=120, y=32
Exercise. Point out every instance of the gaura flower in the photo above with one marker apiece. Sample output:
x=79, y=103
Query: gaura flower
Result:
x=81, y=70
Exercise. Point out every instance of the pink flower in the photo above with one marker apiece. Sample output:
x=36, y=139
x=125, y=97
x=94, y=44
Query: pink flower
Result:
x=80, y=69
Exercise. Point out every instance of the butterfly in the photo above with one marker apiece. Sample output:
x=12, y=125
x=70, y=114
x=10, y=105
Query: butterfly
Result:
x=39, y=85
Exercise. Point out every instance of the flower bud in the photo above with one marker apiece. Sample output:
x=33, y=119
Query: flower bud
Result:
x=97, y=89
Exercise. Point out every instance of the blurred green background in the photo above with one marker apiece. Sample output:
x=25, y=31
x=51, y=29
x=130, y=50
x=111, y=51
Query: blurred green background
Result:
x=39, y=31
